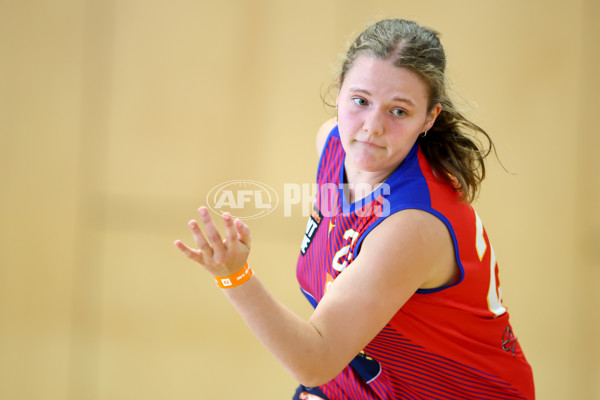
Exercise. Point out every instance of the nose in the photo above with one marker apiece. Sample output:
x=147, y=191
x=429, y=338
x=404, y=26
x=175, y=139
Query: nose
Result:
x=374, y=123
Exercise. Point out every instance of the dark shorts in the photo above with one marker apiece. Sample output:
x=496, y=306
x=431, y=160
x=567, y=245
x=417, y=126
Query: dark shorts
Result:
x=306, y=393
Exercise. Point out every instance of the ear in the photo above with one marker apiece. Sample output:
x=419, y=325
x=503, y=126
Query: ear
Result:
x=431, y=116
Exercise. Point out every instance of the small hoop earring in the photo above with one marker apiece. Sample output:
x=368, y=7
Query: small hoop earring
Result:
x=424, y=134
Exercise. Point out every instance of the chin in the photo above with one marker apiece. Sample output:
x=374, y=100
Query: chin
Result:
x=367, y=165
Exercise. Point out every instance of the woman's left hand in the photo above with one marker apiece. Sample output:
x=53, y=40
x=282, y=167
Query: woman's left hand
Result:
x=220, y=257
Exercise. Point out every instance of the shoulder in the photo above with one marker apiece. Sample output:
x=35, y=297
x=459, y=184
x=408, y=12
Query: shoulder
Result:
x=323, y=133
x=410, y=226
x=416, y=242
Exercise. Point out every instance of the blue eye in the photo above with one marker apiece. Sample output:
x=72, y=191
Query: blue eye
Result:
x=399, y=112
x=360, y=101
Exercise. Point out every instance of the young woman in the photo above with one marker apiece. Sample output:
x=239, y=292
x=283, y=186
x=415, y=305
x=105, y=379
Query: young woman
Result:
x=402, y=276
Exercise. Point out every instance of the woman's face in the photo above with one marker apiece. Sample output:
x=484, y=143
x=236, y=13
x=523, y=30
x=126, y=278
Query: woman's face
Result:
x=382, y=109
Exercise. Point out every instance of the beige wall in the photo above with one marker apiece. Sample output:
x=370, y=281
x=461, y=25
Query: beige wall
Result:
x=117, y=117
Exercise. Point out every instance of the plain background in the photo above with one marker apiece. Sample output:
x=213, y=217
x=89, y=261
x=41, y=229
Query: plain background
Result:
x=118, y=116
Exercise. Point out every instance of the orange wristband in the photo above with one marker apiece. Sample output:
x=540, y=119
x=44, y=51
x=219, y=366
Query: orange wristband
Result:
x=236, y=279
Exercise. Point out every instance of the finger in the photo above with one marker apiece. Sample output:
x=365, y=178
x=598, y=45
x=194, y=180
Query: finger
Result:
x=230, y=232
x=199, y=238
x=213, y=235
x=189, y=252
x=243, y=232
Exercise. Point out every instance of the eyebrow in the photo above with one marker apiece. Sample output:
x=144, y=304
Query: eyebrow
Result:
x=397, y=98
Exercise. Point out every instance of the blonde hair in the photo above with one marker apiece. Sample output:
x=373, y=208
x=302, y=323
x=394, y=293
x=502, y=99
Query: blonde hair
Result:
x=451, y=146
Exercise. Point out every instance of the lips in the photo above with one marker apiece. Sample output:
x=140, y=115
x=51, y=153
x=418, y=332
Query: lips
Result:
x=369, y=144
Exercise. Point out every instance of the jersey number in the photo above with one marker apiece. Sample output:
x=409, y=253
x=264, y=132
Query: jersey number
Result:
x=494, y=297
x=340, y=261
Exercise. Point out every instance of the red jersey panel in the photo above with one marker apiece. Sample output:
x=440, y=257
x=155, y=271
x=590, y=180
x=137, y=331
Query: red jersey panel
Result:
x=453, y=342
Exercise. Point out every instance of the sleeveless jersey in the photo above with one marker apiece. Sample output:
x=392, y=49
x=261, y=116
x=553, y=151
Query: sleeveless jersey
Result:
x=453, y=342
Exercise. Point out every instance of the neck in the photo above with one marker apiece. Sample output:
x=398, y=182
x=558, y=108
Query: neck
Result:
x=361, y=183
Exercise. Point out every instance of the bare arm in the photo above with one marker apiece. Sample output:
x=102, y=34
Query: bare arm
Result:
x=392, y=265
